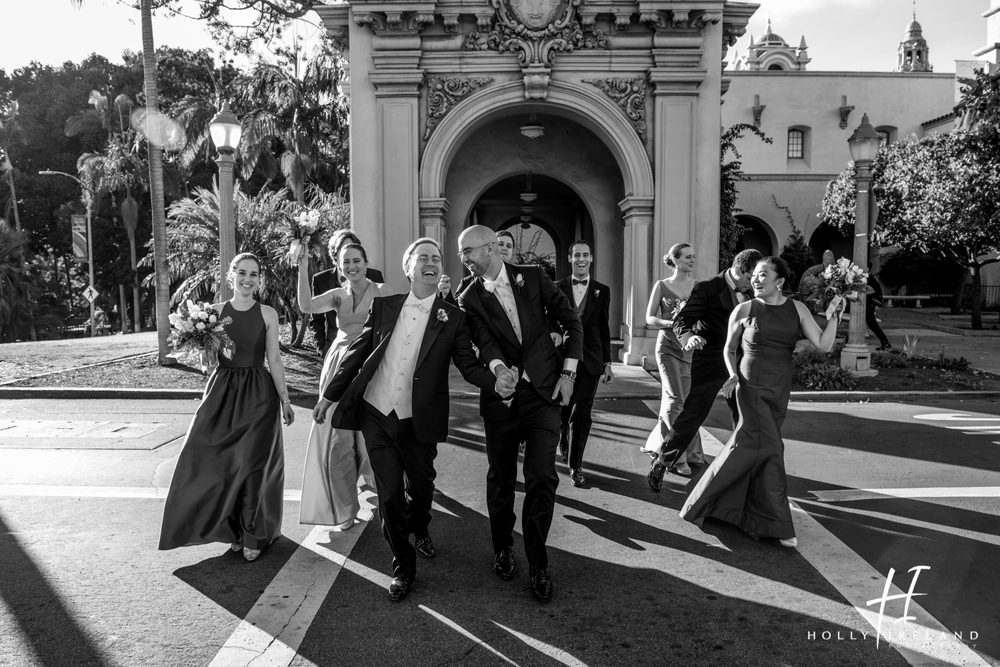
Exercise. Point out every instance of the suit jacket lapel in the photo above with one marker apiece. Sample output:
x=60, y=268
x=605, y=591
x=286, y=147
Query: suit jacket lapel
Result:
x=726, y=295
x=431, y=331
x=390, y=314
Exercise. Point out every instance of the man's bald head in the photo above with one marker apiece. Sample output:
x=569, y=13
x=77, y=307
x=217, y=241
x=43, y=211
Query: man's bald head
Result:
x=477, y=247
x=828, y=257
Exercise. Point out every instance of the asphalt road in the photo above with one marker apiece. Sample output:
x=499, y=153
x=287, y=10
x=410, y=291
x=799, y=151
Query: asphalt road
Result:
x=877, y=486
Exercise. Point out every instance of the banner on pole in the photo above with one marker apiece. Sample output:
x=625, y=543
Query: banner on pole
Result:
x=79, y=236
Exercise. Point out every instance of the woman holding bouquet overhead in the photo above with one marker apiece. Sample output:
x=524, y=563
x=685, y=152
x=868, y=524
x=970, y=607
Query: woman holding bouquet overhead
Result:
x=746, y=483
x=335, y=458
x=667, y=298
x=229, y=480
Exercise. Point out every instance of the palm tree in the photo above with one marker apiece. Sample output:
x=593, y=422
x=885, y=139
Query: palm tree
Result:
x=304, y=119
x=155, y=182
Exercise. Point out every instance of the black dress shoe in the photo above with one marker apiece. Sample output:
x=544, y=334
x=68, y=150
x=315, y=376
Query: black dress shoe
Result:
x=540, y=583
x=576, y=477
x=655, y=476
x=425, y=548
x=399, y=587
x=504, y=564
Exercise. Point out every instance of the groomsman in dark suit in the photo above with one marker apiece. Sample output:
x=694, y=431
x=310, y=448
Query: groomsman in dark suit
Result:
x=392, y=385
x=324, y=325
x=509, y=309
x=702, y=326
x=592, y=302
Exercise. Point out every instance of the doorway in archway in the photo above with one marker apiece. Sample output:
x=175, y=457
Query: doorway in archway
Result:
x=826, y=237
x=757, y=235
x=544, y=214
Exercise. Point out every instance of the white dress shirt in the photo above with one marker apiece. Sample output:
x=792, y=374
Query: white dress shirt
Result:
x=391, y=388
x=504, y=292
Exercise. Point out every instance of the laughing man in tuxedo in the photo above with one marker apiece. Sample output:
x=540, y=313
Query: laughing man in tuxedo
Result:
x=509, y=309
x=393, y=386
x=592, y=301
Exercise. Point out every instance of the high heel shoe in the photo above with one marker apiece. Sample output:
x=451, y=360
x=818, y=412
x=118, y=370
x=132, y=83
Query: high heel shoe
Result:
x=790, y=542
x=236, y=546
x=250, y=555
x=655, y=476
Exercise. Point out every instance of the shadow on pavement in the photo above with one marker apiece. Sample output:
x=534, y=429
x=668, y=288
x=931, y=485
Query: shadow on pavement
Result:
x=38, y=609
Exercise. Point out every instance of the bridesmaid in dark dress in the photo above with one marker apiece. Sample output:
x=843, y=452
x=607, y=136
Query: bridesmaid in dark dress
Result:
x=229, y=480
x=746, y=484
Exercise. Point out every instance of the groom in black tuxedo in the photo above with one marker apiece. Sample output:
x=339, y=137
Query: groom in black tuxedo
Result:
x=702, y=326
x=392, y=385
x=509, y=309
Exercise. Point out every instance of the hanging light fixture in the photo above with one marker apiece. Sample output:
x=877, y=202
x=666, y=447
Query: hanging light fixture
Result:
x=533, y=129
x=528, y=196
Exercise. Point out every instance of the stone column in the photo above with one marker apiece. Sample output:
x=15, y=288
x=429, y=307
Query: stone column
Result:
x=433, y=214
x=637, y=213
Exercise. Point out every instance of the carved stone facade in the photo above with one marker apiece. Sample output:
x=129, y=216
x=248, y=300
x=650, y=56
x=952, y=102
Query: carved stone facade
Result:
x=616, y=100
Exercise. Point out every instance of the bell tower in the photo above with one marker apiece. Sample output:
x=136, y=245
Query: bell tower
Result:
x=914, y=54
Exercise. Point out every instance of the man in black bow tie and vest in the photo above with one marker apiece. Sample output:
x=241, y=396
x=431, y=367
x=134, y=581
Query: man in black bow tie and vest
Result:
x=702, y=326
x=510, y=308
x=392, y=385
x=592, y=302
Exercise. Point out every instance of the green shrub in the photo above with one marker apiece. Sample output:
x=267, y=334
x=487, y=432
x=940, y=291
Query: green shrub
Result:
x=890, y=359
x=823, y=376
x=811, y=355
x=951, y=364
x=961, y=381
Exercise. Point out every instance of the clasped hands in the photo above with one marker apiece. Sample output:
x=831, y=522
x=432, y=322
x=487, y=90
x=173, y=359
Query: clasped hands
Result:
x=694, y=343
x=506, y=383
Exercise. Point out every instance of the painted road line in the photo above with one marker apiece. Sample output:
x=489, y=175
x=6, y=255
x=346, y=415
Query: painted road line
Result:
x=272, y=632
x=846, y=495
x=141, y=492
x=923, y=641
x=465, y=633
x=985, y=538
x=556, y=654
x=954, y=416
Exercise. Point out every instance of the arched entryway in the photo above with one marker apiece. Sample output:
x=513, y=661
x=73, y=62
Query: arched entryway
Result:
x=543, y=213
x=757, y=235
x=826, y=237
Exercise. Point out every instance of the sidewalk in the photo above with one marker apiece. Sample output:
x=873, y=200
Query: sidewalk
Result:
x=936, y=333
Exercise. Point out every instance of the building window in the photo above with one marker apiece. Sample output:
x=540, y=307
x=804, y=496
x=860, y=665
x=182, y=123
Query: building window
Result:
x=796, y=144
x=887, y=134
x=885, y=138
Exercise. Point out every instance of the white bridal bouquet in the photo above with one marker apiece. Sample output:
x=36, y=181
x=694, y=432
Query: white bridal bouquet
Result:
x=304, y=227
x=196, y=327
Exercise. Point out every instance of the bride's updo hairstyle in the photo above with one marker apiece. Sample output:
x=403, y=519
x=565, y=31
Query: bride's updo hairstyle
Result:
x=670, y=259
x=231, y=277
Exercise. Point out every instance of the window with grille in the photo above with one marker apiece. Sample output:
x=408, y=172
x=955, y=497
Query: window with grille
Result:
x=796, y=144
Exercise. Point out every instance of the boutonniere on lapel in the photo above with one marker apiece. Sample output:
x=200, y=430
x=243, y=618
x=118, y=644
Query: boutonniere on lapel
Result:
x=442, y=317
x=597, y=293
x=519, y=281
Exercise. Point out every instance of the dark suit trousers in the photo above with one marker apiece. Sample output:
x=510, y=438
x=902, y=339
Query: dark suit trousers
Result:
x=873, y=324
x=706, y=381
x=534, y=421
x=395, y=451
x=578, y=415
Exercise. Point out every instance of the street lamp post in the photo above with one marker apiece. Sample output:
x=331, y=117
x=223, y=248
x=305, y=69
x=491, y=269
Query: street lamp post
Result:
x=864, y=144
x=225, y=130
x=89, y=201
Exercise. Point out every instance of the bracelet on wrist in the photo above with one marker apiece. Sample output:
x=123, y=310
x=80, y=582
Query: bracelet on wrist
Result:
x=570, y=375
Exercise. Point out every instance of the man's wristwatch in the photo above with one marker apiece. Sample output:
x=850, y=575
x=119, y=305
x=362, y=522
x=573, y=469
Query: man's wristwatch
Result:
x=569, y=374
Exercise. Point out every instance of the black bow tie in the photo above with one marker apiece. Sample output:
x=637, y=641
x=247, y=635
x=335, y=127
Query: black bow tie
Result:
x=581, y=282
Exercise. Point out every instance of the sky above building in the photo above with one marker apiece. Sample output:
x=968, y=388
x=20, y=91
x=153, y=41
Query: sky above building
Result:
x=852, y=35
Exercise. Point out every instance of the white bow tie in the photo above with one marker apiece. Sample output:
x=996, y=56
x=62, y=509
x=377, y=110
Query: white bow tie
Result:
x=416, y=304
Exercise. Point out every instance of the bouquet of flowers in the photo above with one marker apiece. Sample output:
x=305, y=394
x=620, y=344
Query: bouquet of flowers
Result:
x=304, y=227
x=196, y=327
x=843, y=280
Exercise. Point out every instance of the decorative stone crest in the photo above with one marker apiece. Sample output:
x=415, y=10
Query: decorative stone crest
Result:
x=536, y=30
x=630, y=95
x=443, y=93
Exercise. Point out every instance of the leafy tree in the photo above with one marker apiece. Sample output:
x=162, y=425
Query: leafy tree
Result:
x=731, y=172
x=940, y=195
x=839, y=201
x=294, y=126
x=17, y=291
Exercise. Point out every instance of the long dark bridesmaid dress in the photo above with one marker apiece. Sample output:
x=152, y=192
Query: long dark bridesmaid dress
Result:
x=229, y=480
x=746, y=484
